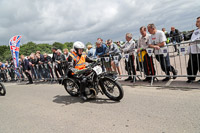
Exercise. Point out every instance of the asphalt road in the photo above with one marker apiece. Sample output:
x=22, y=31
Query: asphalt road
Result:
x=47, y=108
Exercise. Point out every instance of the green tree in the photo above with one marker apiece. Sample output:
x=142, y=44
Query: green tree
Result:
x=58, y=45
x=27, y=49
x=31, y=47
x=5, y=53
x=44, y=48
x=68, y=45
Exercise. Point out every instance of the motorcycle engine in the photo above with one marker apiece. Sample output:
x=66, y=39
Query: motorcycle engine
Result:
x=87, y=91
x=90, y=91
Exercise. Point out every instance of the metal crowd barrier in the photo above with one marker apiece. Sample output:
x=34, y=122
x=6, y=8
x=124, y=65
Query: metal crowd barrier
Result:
x=17, y=74
x=179, y=61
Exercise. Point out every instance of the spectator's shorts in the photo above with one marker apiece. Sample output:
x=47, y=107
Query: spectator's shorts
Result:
x=117, y=62
x=107, y=64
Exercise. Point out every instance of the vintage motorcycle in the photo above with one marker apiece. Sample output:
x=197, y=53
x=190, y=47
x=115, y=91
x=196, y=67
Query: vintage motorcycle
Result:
x=2, y=90
x=97, y=81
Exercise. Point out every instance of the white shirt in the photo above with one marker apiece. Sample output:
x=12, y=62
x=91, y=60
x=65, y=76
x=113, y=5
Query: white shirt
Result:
x=129, y=46
x=156, y=38
x=66, y=56
x=193, y=48
x=143, y=42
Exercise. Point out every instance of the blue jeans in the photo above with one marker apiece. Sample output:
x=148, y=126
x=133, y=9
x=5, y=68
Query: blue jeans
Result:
x=165, y=63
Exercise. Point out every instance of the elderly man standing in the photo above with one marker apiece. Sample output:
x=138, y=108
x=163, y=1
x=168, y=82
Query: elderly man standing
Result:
x=175, y=36
x=157, y=41
x=91, y=52
x=148, y=64
x=194, y=50
x=113, y=51
x=101, y=51
x=58, y=61
x=128, y=48
x=40, y=62
x=47, y=66
x=26, y=69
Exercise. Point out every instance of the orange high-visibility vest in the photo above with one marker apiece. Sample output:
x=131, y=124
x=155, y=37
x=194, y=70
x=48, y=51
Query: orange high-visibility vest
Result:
x=79, y=61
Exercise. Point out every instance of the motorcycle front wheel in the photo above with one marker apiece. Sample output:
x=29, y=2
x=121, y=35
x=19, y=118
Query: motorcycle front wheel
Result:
x=112, y=89
x=71, y=87
x=2, y=90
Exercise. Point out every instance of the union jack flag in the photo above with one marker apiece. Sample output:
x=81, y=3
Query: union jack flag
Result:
x=14, y=44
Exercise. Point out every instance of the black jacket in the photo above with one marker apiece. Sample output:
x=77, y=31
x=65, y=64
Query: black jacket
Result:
x=47, y=59
x=33, y=61
x=39, y=59
x=175, y=36
x=25, y=65
x=54, y=57
x=60, y=58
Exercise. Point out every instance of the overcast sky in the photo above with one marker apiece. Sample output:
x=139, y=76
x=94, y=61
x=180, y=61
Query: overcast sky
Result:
x=47, y=21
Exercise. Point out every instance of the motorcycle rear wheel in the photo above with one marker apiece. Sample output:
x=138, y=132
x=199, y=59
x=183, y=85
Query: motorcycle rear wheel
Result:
x=2, y=90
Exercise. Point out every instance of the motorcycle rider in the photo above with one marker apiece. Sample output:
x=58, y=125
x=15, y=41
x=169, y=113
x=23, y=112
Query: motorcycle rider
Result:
x=79, y=63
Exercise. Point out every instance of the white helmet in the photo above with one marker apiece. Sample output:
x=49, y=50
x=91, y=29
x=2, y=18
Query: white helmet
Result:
x=78, y=45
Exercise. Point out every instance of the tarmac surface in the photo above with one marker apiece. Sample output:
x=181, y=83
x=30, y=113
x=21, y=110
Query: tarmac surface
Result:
x=47, y=108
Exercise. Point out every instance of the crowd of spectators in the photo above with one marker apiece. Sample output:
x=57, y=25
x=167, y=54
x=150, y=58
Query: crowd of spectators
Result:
x=43, y=67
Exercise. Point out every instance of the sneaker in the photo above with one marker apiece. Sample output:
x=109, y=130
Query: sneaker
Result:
x=84, y=98
x=175, y=73
x=189, y=81
x=146, y=79
x=151, y=79
x=132, y=81
x=12, y=80
x=129, y=78
x=166, y=79
x=29, y=83
x=60, y=81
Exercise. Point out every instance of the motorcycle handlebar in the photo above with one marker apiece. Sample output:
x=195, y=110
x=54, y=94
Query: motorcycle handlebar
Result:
x=89, y=67
x=98, y=62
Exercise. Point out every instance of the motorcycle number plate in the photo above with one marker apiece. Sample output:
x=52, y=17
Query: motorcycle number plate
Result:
x=98, y=70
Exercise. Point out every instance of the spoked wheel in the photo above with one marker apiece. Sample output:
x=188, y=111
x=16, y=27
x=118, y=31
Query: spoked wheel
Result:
x=71, y=87
x=2, y=90
x=112, y=89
